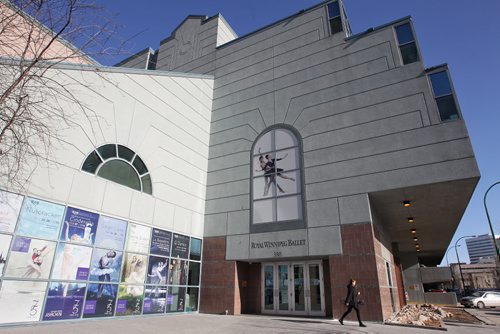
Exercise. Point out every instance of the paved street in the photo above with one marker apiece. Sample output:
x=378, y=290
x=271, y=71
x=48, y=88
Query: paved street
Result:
x=490, y=316
x=204, y=323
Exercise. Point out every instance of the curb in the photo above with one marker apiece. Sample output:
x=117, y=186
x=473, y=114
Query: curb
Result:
x=417, y=326
x=483, y=320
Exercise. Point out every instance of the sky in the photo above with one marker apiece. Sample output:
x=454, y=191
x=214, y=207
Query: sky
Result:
x=464, y=34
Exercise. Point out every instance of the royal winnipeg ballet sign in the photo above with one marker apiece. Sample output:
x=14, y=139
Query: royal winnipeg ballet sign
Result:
x=278, y=244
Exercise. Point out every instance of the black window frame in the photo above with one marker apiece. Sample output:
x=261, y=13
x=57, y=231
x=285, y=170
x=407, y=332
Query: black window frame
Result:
x=336, y=20
x=407, y=45
x=449, y=96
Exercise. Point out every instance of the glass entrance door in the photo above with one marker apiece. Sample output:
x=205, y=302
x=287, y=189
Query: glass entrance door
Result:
x=293, y=288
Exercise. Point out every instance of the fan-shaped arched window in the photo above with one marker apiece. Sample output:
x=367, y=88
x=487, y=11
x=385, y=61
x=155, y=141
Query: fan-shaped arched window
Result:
x=119, y=164
x=277, y=199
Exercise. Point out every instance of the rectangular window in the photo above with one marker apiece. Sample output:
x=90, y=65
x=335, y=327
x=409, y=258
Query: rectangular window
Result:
x=334, y=17
x=407, y=44
x=443, y=93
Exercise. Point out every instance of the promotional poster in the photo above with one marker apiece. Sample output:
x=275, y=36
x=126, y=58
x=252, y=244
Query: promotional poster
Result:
x=4, y=249
x=79, y=226
x=160, y=242
x=21, y=301
x=111, y=233
x=130, y=298
x=138, y=238
x=64, y=301
x=134, y=268
x=175, y=299
x=72, y=262
x=178, y=270
x=10, y=204
x=180, y=246
x=40, y=219
x=100, y=302
x=155, y=299
x=30, y=258
x=105, y=265
x=157, y=270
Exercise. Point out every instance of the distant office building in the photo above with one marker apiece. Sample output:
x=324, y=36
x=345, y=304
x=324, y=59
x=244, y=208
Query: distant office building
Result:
x=480, y=247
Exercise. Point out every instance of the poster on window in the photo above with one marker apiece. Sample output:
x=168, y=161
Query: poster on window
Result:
x=138, y=238
x=178, y=271
x=134, y=268
x=64, y=301
x=176, y=299
x=30, y=258
x=100, y=301
x=160, y=242
x=105, y=265
x=72, y=262
x=157, y=270
x=111, y=233
x=4, y=250
x=21, y=301
x=155, y=299
x=79, y=226
x=180, y=246
x=40, y=219
x=130, y=298
x=10, y=205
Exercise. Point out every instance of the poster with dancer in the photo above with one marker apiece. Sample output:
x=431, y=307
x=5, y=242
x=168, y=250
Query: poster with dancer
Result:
x=40, y=219
x=64, y=301
x=180, y=246
x=100, y=302
x=105, y=265
x=155, y=299
x=134, y=268
x=157, y=270
x=72, y=262
x=130, y=299
x=111, y=233
x=79, y=226
x=176, y=299
x=4, y=250
x=30, y=258
x=10, y=205
x=160, y=242
x=178, y=270
x=138, y=238
x=21, y=301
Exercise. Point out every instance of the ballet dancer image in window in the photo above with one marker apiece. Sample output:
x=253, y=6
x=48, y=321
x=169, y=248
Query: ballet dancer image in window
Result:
x=104, y=270
x=271, y=171
x=34, y=270
x=157, y=275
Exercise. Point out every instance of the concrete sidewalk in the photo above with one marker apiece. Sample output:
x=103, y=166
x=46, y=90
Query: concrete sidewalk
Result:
x=204, y=323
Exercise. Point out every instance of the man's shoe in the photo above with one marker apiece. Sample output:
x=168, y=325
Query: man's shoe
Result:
x=362, y=325
x=341, y=321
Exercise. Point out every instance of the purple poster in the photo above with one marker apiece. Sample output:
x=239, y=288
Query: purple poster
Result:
x=101, y=299
x=180, y=246
x=64, y=301
x=154, y=299
x=160, y=242
x=79, y=226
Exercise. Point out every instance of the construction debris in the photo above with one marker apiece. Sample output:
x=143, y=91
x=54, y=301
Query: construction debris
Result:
x=419, y=315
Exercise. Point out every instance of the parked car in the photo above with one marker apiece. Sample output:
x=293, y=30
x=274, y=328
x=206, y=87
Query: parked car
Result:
x=481, y=299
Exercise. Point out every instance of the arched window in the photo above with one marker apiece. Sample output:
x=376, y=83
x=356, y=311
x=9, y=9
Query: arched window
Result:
x=119, y=164
x=276, y=196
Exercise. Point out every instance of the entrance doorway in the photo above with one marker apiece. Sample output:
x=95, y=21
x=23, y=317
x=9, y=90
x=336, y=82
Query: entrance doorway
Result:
x=293, y=288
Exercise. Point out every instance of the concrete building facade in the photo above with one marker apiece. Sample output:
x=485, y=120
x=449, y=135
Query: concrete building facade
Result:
x=302, y=154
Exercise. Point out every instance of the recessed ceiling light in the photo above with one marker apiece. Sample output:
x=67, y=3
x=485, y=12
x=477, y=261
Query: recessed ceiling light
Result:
x=413, y=231
x=406, y=203
x=415, y=239
x=411, y=219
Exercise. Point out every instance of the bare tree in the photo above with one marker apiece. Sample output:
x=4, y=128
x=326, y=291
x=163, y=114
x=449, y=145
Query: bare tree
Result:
x=36, y=37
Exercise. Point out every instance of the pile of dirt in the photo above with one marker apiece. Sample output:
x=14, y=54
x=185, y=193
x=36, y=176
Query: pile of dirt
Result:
x=419, y=315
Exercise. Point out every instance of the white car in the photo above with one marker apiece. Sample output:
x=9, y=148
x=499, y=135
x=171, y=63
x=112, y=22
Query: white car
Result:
x=482, y=299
